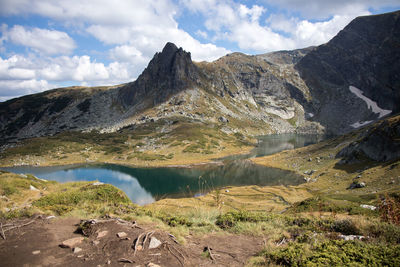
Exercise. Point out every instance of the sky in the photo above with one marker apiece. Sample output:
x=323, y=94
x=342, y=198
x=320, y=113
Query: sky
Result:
x=48, y=44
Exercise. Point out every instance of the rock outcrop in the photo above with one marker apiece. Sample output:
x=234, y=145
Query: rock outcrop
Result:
x=167, y=74
x=379, y=143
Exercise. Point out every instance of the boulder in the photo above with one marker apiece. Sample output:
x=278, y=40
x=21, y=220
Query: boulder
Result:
x=355, y=185
x=223, y=119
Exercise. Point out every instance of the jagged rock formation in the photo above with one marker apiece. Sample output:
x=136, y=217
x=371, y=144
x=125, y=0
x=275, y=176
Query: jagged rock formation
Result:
x=334, y=88
x=167, y=74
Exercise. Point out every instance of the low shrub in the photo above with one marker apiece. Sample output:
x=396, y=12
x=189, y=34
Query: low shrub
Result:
x=335, y=253
x=176, y=220
x=346, y=227
x=230, y=219
x=385, y=232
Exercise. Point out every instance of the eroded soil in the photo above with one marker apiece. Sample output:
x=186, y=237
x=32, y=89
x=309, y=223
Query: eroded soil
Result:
x=113, y=242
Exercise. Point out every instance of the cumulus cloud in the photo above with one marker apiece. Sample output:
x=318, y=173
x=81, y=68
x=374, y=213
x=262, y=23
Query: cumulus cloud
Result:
x=305, y=33
x=132, y=31
x=243, y=25
x=135, y=30
x=102, y=12
x=147, y=24
x=49, y=42
x=17, y=88
x=26, y=75
x=323, y=9
x=239, y=24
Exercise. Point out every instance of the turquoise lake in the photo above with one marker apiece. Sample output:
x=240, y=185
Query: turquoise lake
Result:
x=146, y=185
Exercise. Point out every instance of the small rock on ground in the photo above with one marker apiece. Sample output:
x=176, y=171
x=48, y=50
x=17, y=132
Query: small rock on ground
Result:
x=368, y=207
x=36, y=252
x=121, y=234
x=154, y=243
x=31, y=187
x=71, y=243
x=351, y=237
x=77, y=250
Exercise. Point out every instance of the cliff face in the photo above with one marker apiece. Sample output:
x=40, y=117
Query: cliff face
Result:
x=365, y=55
x=336, y=87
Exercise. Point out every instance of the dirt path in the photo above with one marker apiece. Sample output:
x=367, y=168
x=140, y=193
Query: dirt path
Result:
x=117, y=243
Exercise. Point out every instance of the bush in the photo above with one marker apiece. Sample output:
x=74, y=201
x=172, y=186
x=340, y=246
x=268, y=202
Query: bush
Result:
x=346, y=227
x=335, y=253
x=176, y=220
x=230, y=219
x=385, y=232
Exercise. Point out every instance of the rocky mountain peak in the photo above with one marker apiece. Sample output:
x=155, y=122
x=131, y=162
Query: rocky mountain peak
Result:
x=169, y=49
x=168, y=73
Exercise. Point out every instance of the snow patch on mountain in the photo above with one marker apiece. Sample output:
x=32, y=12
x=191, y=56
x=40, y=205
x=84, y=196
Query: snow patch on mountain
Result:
x=371, y=104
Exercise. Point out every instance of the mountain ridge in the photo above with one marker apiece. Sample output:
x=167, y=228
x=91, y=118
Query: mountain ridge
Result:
x=304, y=90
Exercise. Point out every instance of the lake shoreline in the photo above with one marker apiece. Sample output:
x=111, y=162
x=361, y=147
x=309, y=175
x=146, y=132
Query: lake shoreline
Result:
x=187, y=163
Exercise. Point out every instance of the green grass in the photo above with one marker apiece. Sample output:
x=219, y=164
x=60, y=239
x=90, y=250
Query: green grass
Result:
x=334, y=253
x=150, y=157
x=308, y=240
x=337, y=203
x=82, y=195
x=15, y=185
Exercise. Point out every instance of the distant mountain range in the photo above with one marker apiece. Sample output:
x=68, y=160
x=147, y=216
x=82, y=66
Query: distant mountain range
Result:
x=334, y=88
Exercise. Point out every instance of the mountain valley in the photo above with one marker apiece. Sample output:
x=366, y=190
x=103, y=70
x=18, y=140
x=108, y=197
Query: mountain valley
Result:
x=185, y=114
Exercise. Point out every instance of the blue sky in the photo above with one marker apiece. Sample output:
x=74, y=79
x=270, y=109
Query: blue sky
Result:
x=46, y=44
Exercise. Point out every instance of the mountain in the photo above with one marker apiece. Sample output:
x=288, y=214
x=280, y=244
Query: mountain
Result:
x=333, y=88
x=364, y=58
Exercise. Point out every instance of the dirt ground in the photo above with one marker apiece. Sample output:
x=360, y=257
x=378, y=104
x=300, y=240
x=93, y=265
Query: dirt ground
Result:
x=113, y=242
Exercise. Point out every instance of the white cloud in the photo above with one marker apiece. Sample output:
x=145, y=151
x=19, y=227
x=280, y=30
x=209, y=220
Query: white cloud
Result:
x=126, y=53
x=279, y=22
x=305, y=33
x=102, y=12
x=148, y=25
x=239, y=24
x=21, y=75
x=49, y=42
x=202, y=34
x=16, y=68
x=134, y=30
x=252, y=36
x=17, y=88
x=202, y=6
x=324, y=9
